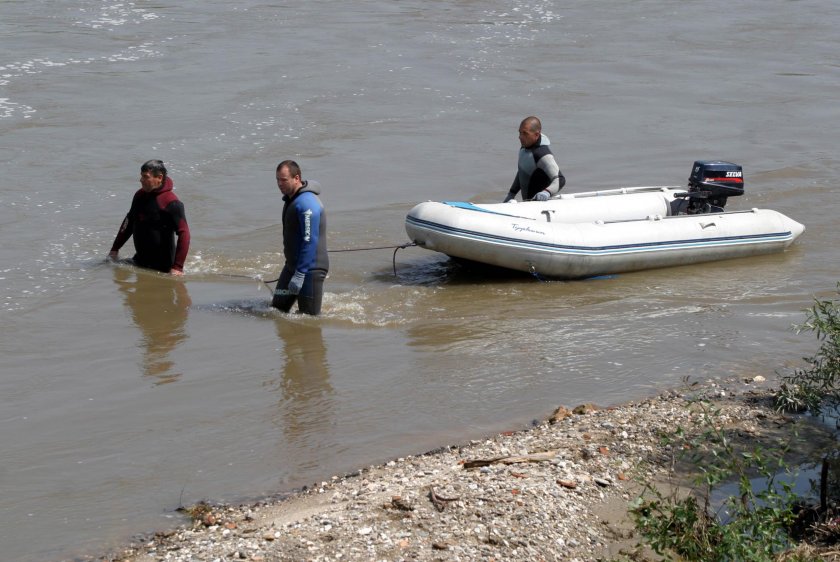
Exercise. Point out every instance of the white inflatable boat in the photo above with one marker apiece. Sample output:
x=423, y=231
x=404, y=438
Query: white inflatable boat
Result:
x=612, y=231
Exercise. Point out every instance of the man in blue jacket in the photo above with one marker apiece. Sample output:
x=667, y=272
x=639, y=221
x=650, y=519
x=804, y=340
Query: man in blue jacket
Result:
x=304, y=243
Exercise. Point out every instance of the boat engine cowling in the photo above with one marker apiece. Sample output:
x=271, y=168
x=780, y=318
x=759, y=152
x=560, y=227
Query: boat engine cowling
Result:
x=710, y=184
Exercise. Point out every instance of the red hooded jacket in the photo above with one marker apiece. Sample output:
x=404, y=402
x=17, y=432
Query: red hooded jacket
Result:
x=153, y=220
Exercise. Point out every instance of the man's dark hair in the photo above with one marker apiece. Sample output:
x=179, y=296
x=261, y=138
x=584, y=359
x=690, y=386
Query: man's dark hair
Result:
x=155, y=167
x=294, y=169
x=533, y=123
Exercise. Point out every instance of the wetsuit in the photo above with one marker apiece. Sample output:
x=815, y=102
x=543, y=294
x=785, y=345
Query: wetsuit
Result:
x=537, y=171
x=305, y=250
x=155, y=218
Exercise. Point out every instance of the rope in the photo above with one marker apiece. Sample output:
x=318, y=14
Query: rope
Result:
x=372, y=248
x=394, y=260
x=248, y=277
x=396, y=249
x=251, y=277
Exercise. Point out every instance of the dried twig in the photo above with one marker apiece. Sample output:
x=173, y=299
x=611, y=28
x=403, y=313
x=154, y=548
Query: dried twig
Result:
x=438, y=501
x=534, y=457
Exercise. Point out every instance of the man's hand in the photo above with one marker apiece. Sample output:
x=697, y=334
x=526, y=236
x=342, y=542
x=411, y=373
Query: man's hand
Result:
x=177, y=272
x=542, y=196
x=113, y=255
x=296, y=283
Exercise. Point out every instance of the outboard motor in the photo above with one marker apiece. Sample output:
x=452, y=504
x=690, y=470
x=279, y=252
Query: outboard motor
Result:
x=710, y=184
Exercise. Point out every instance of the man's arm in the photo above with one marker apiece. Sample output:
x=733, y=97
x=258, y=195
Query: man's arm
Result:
x=123, y=234
x=550, y=168
x=514, y=188
x=308, y=209
x=182, y=231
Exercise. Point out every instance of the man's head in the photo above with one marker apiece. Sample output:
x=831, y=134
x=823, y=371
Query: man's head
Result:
x=288, y=177
x=529, y=131
x=152, y=175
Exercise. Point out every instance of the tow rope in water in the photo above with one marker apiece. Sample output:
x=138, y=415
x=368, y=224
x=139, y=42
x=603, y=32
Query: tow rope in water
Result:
x=393, y=261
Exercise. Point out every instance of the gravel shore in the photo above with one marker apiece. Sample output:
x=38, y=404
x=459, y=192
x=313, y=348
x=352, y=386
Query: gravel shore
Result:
x=556, y=491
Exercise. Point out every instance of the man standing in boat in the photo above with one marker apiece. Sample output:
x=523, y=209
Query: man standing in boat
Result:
x=155, y=218
x=538, y=177
x=304, y=243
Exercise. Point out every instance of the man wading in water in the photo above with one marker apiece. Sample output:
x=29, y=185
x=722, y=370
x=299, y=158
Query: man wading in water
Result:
x=304, y=243
x=156, y=216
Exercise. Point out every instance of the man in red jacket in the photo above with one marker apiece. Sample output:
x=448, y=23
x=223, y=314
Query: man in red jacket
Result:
x=156, y=216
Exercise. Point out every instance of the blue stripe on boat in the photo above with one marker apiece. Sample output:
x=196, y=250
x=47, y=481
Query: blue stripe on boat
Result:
x=472, y=207
x=603, y=250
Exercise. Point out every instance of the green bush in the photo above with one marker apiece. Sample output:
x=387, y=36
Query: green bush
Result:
x=681, y=526
x=816, y=386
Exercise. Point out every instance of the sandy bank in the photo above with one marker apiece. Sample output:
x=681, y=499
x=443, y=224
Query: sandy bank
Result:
x=556, y=491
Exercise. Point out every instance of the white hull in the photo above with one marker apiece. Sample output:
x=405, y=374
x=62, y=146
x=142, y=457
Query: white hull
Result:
x=585, y=235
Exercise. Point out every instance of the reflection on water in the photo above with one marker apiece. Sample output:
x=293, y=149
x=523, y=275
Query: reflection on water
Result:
x=159, y=306
x=431, y=355
x=308, y=397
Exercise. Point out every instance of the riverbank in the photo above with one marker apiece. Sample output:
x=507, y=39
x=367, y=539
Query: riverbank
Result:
x=556, y=491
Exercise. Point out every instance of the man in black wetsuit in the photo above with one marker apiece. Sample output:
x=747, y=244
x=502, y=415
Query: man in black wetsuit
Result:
x=538, y=175
x=156, y=216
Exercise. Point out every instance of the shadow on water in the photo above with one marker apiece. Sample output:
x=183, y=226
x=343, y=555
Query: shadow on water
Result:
x=159, y=306
x=444, y=270
x=306, y=412
x=259, y=307
x=306, y=374
x=812, y=476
